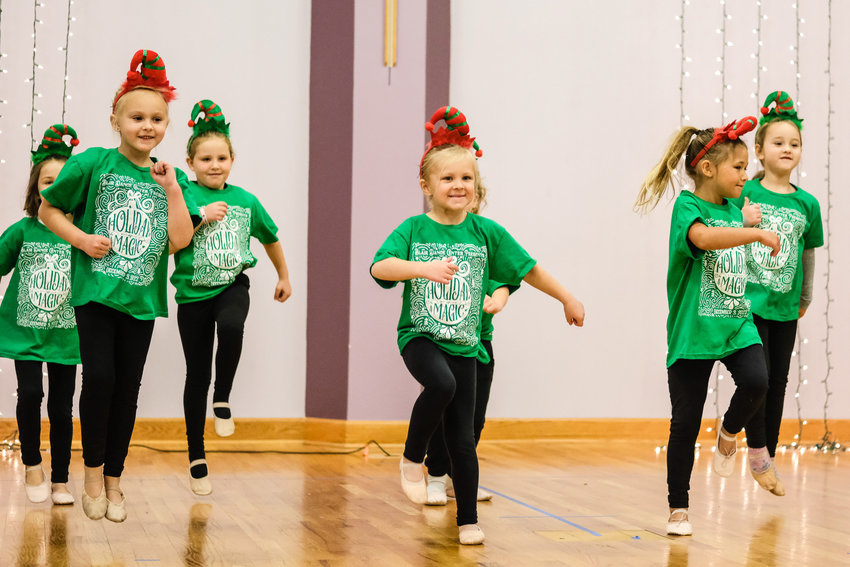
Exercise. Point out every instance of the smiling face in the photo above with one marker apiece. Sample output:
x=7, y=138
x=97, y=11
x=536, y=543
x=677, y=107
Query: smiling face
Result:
x=781, y=148
x=211, y=162
x=449, y=183
x=732, y=173
x=140, y=117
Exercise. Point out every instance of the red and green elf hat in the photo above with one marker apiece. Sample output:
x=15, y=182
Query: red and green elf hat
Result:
x=213, y=118
x=456, y=132
x=783, y=109
x=52, y=145
x=147, y=70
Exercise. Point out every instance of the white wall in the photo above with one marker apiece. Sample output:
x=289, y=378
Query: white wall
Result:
x=251, y=58
x=572, y=103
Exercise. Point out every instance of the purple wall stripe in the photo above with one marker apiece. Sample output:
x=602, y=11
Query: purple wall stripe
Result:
x=329, y=216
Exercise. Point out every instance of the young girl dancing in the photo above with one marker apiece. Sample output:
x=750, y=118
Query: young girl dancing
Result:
x=38, y=326
x=445, y=259
x=779, y=287
x=128, y=208
x=212, y=287
x=437, y=461
x=709, y=316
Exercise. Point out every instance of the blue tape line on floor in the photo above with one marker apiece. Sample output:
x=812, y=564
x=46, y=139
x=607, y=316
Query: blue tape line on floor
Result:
x=544, y=512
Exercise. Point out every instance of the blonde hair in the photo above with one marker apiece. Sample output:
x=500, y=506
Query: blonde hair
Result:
x=116, y=108
x=658, y=181
x=761, y=134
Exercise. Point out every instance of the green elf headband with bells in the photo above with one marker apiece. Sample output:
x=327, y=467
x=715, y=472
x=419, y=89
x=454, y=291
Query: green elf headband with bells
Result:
x=52, y=145
x=211, y=121
x=783, y=109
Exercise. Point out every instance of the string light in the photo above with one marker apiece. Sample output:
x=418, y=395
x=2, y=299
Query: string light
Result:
x=827, y=442
x=35, y=22
x=682, y=73
x=65, y=95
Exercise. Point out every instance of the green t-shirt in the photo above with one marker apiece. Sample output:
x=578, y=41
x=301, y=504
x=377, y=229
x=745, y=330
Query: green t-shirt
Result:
x=775, y=282
x=36, y=318
x=110, y=196
x=220, y=250
x=450, y=314
x=709, y=313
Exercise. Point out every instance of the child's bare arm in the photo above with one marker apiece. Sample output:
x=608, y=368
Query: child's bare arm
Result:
x=94, y=245
x=719, y=237
x=398, y=270
x=283, y=289
x=539, y=278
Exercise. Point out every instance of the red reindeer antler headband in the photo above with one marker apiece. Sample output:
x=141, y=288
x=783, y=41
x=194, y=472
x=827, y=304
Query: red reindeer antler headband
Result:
x=731, y=131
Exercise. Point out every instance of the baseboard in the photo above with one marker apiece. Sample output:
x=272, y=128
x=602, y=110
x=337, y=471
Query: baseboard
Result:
x=259, y=434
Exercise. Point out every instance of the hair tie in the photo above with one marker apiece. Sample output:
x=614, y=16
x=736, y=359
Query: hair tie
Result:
x=147, y=69
x=731, y=131
x=52, y=144
x=783, y=109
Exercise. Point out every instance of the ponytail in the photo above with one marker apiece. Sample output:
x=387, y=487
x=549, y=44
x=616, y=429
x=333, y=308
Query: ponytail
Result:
x=655, y=184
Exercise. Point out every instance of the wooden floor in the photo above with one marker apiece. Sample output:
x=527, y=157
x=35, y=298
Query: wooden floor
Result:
x=556, y=503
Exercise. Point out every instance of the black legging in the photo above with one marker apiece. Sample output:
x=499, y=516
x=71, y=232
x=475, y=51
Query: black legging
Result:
x=778, y=338
x=448, y=396
x=60, y=398
x=688, y=383
x=199, y=321
x=113, y=349
x=437, y=459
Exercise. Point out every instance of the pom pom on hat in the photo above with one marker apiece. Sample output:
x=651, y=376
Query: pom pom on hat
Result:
x=52, y=144
x=147, y=70
x=783, y=109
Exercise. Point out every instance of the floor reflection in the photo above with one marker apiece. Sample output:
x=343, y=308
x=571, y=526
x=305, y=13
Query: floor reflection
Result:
x=762, y=549
x=196, y=537
x=44, y=539
x=677, y=555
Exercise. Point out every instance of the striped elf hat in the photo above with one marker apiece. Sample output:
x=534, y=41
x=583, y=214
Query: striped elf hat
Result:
x=213, y=118
x=147, y=70
x=456, y=132
x=783, y=109
x=52, y=145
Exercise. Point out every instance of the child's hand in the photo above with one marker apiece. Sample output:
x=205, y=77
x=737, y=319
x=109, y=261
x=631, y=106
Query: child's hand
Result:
x=493, y=305
x=95, y=245
x=771, y=240
x=752, y=213
x=440, y=271
x=163, y=174
x=802, y=312
x=282, y=291
x=574, y=312
x=215, y=211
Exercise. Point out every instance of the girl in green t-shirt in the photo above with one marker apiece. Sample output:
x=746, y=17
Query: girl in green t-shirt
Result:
x=38, y=326
x=709, y=316
x=437, y=461
x=445, y=259
x=128, y=209
x=212, y=288
x=780, y=287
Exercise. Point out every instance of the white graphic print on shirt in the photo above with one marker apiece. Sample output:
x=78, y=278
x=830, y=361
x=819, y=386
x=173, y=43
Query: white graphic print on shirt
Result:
x=777, y=272
x=222, y=248
x=449, y=312
x=134, y=216
x=45, y=286
x=724, y=279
